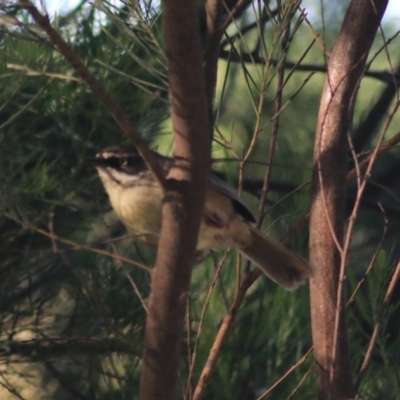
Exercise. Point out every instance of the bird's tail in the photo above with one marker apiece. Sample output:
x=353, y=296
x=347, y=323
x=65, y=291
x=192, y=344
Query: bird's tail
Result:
x=280, y=264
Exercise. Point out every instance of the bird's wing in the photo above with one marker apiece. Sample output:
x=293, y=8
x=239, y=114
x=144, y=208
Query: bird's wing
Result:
x=238, y=203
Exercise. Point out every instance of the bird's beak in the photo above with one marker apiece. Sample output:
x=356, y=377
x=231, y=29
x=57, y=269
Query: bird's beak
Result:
x=95, y=161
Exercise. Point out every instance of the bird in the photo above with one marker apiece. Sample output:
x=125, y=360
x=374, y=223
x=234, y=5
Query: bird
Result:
x=136, y=197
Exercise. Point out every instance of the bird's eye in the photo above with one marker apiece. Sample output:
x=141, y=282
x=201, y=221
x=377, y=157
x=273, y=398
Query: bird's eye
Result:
x=123, y=162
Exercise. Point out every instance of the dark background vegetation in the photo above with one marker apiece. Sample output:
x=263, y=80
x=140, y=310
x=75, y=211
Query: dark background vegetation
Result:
x=59, y=289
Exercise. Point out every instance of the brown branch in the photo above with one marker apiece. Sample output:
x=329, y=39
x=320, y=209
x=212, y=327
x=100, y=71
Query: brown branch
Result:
x=236, y=11
x=9, y=387
x=275, y=129
x=250, y=278
x=362, y=183
x=264, y=18
x=96, y=88
x=214, y=10
x=345, y=70
x=53, y=237
x=189, y=394
x=183, y=203
x=371, y=264
x=382, y=150
x=286, y=374
x=255, y=58
x=226, y=325
x=302, y=380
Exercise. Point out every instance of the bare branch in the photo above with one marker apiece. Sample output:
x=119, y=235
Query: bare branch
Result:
x=95, y=86
x=236, y=11
x=214, y=10
x=255, y=58
x=183, y=202
x=378, y=324
x=220, y=338
x=275, y=129
x=53, y=237
x=286, y=374
x=345, y=70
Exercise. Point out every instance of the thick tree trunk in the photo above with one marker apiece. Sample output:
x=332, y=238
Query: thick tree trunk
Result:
x=184, y=198
x=345, y=70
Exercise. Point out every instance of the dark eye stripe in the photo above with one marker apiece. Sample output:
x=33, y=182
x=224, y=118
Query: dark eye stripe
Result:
x=124, y=163
x=114, y=162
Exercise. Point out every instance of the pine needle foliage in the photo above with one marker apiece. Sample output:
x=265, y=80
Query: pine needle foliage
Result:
x=73, y=305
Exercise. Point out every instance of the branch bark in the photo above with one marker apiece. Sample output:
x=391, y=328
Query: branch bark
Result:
x=344, y=73
x=214, y=36
x=184, y=199
x=254, y=58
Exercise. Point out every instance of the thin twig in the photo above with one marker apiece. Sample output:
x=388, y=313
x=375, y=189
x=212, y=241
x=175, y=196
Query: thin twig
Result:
x=30, y=72
x=349, y=233
x=320, y=42
x=236, y=11
x=378, y=324
x=275, y=128
x=286, y=374
x=199, y=329
x=264, y=18
x=383, y=149
x=189, y=385
x=219, y=340
x=23, y=108
x=291, y=193
x=137, y=291
x=79, y=246
x=372, y=262
x=302, y=380
x=10, y=388
x=87, y=289
x=97, y=89
x=254, y=58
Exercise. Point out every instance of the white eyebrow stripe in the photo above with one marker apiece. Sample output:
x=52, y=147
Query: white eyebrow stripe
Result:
x=107, y=155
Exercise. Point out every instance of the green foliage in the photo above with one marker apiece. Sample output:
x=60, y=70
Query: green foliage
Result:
x=367, y=311
x=50, y=121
